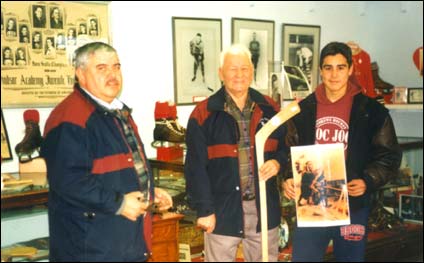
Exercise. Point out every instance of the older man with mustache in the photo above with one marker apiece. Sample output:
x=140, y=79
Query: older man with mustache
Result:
x=100, y=181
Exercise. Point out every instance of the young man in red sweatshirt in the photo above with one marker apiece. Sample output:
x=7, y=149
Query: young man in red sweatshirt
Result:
x=337, y=112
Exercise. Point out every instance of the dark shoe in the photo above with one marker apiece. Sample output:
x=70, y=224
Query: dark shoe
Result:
x=194, y=78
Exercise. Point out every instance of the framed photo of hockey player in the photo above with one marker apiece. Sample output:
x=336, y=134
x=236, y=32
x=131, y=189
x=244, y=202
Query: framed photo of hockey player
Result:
x=6, y=153
x=197, y=45
x=319, y=175
x=258, y=37
x=301, y=47
x=411, y=208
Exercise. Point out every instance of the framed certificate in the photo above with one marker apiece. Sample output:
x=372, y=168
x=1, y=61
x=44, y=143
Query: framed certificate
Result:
x=415, y=95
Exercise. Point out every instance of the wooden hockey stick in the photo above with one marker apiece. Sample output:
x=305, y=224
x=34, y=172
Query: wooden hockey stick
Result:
x=261, y=136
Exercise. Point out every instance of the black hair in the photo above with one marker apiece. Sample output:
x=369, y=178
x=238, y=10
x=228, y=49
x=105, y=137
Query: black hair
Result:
x=334, y=48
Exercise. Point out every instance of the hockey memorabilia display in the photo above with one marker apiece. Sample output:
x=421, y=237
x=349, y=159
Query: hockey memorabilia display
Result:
x=261, y=136
x=38, y=44
x=6, y=153
x=319, y=175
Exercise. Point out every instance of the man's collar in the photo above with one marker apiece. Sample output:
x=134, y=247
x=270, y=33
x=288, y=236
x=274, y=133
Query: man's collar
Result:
x=114, y=105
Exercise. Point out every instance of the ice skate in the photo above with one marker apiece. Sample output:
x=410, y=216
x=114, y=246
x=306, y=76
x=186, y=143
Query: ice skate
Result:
x=168, y=132
x=32, y=140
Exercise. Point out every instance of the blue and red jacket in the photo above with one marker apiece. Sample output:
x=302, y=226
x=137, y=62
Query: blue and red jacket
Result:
x=212, y=168
x=90, y=169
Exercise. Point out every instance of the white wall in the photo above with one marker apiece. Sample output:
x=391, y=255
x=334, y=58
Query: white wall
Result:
x=142, y=34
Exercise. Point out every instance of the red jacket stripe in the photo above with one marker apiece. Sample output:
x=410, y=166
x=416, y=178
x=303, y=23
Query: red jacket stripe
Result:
x=112, y=163
x=271, y=145
x=222, y=150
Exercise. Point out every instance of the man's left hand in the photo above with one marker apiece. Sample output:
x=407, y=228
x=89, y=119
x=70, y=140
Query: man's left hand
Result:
x=163, y=199
x=269, y=169
x=356, y=187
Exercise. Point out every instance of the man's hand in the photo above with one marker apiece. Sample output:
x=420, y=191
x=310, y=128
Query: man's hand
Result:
x=356, y=187
x=288, y=187
x=269, y=169
x=133, y=205
x=162, y=199
x=207, y=223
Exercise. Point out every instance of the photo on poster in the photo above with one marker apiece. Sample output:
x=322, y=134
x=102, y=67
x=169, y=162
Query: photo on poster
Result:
x=319, y=176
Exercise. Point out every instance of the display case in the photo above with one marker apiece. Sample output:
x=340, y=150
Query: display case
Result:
x=401, y=239
x=24, y=205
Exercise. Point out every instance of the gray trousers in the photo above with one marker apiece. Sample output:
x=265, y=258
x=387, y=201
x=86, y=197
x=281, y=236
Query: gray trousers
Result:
x=220, y=248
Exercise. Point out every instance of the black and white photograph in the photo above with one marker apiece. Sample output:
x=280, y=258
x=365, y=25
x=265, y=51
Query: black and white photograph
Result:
x=11, y=27
x=21, y=56
x=37, y=40
x=24, y=34
x=39, y=16
x=197, y=46
x=276, y=87
x=56, y=17
x=258, y=37
x=411, y=208
x=300, y=48
x=7, y=56
x=93, y=24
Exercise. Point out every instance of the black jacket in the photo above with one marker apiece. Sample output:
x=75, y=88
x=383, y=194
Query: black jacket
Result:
x=373, y=153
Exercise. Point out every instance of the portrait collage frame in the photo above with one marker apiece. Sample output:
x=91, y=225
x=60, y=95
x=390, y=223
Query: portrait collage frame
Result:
x=243, y=30
x=301, y=47
x=6, y=152
x=43, y=73
x=197, y=44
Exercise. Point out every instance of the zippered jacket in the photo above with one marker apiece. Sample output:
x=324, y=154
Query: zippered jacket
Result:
x=212, y=168
x=90, y=168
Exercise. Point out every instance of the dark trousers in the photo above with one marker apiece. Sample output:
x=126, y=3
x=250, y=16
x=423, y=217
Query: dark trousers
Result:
x=349, y=242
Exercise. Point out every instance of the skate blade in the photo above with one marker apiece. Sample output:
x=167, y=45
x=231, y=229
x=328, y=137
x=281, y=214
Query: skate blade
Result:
x=157, y=144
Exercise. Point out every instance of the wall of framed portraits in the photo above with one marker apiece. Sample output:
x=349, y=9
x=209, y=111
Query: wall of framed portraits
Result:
x=143, y=32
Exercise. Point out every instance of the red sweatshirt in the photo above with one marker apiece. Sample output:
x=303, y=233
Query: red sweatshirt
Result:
x=332, y=122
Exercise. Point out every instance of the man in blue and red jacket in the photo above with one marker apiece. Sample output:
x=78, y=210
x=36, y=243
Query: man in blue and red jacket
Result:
x=221, y=169
x=100, y=181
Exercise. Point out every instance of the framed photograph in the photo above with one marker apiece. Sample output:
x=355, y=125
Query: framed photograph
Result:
x=400, y=95
x=411, y=208
x=301, y=47
x=258, y=36
x=6, y=153
x=415, y=95
x=197, y=46
x=36, y=67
